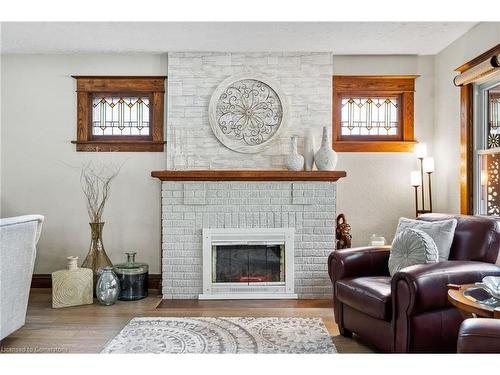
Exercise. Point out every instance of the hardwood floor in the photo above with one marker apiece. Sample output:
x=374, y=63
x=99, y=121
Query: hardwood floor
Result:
x=87, y=329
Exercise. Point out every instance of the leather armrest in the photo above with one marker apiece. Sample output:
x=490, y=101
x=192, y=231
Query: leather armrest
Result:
x=359, y=261
x=479, y=336
x=423, y=287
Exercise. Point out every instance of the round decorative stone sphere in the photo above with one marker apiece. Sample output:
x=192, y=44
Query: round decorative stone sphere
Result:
x=247, y=112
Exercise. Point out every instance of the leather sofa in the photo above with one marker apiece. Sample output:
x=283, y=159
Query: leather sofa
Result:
x=410, y=312
x=479, y=336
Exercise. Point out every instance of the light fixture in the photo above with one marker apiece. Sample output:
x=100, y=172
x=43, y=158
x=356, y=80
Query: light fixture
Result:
x=417, y=177
x=479, y=73
x=428, y=165
x=416, y=181
x=420, y=150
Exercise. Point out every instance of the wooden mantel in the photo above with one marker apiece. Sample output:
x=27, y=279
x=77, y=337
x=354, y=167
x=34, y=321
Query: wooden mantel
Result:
x=248, y=175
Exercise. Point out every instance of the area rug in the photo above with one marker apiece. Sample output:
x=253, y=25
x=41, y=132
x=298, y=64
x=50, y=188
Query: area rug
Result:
x=222, y=335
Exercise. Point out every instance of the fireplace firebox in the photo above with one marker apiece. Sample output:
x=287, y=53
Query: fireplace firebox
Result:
x=248, y=263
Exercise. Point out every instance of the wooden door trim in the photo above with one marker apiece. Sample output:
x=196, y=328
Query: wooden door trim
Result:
x=467, y=133
x=466, y=149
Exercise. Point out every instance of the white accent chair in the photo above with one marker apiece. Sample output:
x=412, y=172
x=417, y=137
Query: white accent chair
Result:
x=18, y=238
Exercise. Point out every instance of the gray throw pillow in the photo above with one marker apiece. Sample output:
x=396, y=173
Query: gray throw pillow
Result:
x=441, y=232
x=410, y=247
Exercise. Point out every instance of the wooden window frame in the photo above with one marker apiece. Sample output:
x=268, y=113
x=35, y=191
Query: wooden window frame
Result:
x=89, y=86
x=467, y=133
x=402, y=87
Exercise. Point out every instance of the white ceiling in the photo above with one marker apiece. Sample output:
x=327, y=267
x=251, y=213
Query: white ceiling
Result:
x=422, y=38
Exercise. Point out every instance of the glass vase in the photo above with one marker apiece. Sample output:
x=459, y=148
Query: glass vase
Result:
x=96, y=257
x=108, y=286
x=133, y=278
x=377, y=240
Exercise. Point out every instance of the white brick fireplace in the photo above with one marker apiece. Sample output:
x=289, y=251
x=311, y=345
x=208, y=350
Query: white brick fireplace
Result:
x=189, y=207
x=304, y=203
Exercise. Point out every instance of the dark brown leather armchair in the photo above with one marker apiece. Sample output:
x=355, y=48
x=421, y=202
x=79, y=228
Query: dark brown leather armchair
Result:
x=479, y=336
x=410, y=312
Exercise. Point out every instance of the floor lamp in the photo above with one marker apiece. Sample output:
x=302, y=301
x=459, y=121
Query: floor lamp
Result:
x=417, y=179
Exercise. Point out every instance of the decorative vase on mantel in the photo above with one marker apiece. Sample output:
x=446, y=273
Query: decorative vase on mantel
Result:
x=326, y=158
x=96, y=257
x=294, y=161
x=308, y=151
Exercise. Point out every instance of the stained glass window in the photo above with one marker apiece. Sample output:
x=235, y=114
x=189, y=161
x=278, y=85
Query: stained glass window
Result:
x=494, y=118
x=491, y=169
x=117, y=115
x=489, y=186
x=493, y=185
x=487, y=180
x=365, y=116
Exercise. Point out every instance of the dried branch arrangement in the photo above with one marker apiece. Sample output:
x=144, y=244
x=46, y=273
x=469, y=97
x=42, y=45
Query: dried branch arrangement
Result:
x=96, y=182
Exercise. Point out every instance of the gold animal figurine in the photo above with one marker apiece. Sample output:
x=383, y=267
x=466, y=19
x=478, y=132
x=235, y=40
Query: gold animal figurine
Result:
x=343, y=233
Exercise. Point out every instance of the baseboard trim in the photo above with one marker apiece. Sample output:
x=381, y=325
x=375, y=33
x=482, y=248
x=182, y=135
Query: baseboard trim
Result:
x=41, y=280
x=44, y=280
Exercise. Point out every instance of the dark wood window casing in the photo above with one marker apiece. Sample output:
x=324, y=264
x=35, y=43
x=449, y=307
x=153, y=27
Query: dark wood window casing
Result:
x=152, y=87
x=467, y=133
x=400, y=88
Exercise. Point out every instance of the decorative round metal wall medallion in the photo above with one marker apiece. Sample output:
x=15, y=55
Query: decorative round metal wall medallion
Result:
x=247, y=112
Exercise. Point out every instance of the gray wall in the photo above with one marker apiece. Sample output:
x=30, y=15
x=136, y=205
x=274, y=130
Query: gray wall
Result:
x=39, y=165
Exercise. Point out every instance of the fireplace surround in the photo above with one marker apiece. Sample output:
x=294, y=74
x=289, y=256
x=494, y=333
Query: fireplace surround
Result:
x=253, y=201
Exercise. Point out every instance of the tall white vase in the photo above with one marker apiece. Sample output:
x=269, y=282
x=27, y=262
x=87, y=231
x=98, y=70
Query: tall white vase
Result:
x=325, y=158
x=308, y=151
x=294, y=161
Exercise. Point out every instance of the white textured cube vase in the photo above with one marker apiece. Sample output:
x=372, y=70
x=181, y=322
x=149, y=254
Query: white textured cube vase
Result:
x=72, y=286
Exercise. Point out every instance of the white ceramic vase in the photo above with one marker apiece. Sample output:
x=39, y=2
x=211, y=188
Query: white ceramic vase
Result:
x=325, y=158
x=308, y=151
x=294, y=161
